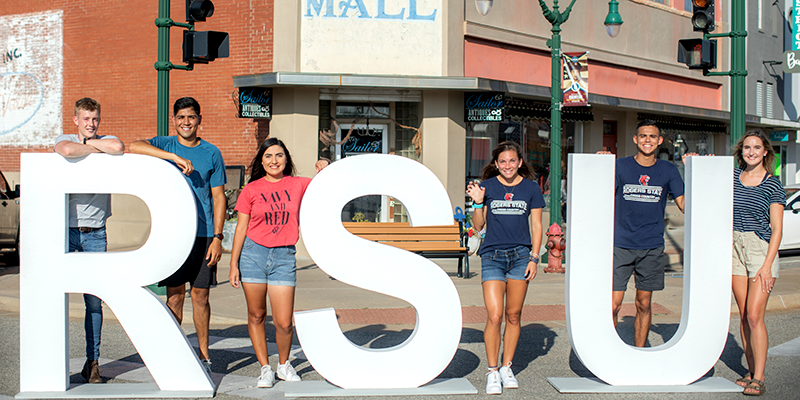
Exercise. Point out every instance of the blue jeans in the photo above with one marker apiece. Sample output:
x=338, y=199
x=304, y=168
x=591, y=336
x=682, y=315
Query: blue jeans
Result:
x=94, y=241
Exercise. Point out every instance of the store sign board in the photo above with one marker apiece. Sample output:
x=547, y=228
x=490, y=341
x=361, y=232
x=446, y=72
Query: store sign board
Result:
x=484, y=107
x=255, y=102
x=791, y=61
x=779, y=136
x=795, y=25
x=386, y=37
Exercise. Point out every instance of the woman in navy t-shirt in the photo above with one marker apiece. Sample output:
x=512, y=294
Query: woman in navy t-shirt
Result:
x=510, y=204
x=758, y=202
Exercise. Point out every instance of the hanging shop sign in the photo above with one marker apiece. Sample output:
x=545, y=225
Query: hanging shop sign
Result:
x=575, y=81
x=484, y=107
x=255, y=102
x=791, y=61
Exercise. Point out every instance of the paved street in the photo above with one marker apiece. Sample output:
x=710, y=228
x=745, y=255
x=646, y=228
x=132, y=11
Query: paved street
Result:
x=544, y=350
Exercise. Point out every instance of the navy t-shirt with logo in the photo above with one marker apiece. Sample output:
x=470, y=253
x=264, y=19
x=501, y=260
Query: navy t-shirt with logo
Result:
x=639, y=201
x=508, y=209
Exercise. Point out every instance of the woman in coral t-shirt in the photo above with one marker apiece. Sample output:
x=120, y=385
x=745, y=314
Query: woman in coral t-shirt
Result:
x=263, y=254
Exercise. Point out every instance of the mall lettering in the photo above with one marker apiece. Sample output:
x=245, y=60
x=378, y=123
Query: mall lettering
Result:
x=325, y=9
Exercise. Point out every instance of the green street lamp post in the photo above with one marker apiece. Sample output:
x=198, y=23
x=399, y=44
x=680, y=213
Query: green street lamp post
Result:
x=555, y=18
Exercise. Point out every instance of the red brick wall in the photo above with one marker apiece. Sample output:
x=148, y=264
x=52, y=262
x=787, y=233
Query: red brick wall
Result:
x=109, y=50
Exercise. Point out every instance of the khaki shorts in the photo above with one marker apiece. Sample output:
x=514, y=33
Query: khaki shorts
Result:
x=749, y=252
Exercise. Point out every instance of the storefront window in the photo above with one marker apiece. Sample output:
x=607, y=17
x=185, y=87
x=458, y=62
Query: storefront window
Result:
x=677, y=143
x=370, y=127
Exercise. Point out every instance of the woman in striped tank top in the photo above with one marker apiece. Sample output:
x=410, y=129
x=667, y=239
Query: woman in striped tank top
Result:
x=758, y=201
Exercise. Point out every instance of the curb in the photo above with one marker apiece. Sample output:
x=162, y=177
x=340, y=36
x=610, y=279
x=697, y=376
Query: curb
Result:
x=778, y=302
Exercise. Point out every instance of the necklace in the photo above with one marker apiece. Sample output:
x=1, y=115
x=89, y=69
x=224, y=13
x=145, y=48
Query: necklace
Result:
x=509, y=195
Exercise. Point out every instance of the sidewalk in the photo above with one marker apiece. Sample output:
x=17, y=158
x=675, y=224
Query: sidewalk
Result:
x=356, y=307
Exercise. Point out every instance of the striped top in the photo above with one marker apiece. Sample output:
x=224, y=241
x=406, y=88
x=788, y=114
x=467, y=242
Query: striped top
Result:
x=751, y=204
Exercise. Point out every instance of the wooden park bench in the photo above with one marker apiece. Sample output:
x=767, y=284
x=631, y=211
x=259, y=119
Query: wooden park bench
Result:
x=441, y=241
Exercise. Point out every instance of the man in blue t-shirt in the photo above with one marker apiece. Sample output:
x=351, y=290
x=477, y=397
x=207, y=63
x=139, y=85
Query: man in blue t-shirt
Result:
x=643, y=183
x=202, y=164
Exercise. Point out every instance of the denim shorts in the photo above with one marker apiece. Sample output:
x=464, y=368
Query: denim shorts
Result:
x=270, y=265
x=501, y=265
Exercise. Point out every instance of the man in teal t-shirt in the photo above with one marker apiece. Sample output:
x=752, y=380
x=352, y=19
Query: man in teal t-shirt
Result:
x=202, y=164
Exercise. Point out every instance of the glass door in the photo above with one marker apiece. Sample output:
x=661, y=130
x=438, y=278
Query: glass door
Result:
x=364, y=139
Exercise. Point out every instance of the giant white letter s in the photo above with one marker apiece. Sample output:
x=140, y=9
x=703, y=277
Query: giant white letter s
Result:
x=380, y=268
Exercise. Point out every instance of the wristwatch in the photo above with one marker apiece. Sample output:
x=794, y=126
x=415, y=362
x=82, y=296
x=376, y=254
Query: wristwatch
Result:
x=219, y=236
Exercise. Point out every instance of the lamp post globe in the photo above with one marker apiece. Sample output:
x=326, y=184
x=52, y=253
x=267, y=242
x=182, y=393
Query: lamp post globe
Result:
x=484, y=6
x=613, y=20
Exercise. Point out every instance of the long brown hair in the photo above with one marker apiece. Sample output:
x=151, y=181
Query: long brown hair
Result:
x=769, y=159
x=490, y=170
x=257, y=170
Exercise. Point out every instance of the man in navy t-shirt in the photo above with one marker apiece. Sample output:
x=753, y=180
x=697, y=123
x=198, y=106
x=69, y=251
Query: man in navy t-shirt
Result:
x=643, y=183
x=202, y=164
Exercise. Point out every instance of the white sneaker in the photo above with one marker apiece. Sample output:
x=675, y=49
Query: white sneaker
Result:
x=267, y=378
x=207, y=365
x=493, y=382
x=287, y=373
x=507, y=376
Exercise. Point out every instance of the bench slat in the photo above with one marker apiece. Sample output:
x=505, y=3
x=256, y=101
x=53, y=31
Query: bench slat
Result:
x=423, y=246
x=408, y=238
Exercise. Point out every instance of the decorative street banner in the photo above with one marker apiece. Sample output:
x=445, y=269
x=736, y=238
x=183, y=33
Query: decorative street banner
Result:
x=795, y=24
x=255, y=102
x=484, y=107
x=575, y=82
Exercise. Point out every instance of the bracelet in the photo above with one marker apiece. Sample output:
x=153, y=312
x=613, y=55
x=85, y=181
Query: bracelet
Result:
x=534, y=258
x=477, y=205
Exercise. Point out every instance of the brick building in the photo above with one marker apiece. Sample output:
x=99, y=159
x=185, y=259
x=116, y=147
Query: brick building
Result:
x=106, y=50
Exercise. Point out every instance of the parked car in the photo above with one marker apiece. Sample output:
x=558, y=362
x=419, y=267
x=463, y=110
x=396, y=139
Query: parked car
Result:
x=9, y=217
x=791, y=219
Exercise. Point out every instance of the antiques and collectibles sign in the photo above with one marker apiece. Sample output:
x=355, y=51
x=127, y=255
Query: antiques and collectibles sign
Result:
x=255, y=102
x=484, y=107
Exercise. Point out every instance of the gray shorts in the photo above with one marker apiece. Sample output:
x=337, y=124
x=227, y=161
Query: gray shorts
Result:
x=647, y=264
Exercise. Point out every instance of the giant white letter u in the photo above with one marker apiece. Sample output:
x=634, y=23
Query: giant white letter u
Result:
x=699, y=341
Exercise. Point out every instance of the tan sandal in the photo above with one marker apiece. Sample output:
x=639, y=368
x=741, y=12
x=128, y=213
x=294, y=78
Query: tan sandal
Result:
x=756, y=390
x=744, y=381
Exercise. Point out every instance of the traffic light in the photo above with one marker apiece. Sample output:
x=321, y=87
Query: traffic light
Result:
x=698, y=53
x=198, y=10
x=703, y=15
x=203, y=47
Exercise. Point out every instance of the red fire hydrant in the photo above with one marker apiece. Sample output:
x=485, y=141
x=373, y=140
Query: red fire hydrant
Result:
x=555, y=249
